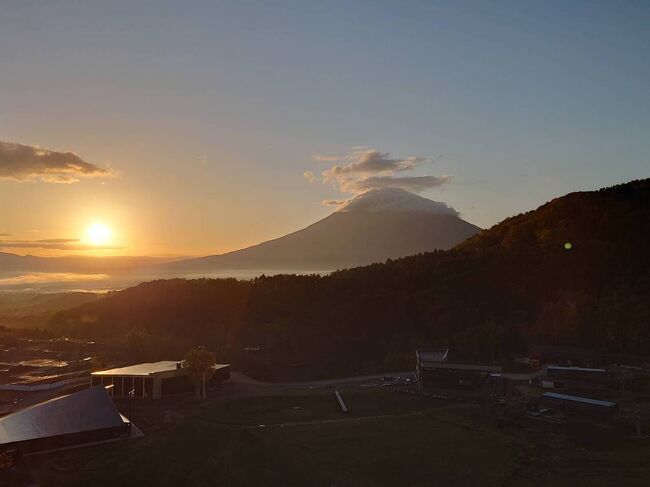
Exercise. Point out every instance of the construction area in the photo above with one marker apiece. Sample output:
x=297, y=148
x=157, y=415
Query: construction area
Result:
x=527, y=422
x=554, y=392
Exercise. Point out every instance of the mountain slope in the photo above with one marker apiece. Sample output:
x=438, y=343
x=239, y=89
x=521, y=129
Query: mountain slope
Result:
x=378, y=225
x=513, y=285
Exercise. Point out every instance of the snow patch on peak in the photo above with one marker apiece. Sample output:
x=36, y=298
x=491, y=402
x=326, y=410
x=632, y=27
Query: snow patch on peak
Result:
x=395, y=200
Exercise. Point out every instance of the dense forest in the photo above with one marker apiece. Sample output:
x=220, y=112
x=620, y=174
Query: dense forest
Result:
x=575, y=271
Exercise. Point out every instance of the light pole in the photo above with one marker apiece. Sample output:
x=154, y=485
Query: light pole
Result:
x=131, y=396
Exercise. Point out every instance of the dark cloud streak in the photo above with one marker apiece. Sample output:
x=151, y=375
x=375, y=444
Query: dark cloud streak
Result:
x=20, y=162
x=69, y=244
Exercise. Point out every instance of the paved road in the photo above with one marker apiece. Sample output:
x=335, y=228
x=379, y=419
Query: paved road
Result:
x=239, y=378
x=528, y=375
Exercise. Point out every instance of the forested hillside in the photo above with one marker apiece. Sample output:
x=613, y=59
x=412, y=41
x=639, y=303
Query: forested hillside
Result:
x=574, y=271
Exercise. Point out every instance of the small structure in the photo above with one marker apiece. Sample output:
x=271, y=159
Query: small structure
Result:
x=153, y=380
x=87, y=416
x=578, y=404
x=424, y=356
x=528, y=361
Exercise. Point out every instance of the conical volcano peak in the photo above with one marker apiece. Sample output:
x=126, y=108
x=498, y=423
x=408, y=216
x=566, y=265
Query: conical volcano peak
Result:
x=395, y=200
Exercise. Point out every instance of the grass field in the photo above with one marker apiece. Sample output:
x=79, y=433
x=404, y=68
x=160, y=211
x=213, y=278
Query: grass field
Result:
x=302, y=439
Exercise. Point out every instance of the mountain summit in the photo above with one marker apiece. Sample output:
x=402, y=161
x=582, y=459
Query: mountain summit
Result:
x=372, y=227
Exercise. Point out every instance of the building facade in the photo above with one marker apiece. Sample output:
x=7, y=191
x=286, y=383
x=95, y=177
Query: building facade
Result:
x=153, y=380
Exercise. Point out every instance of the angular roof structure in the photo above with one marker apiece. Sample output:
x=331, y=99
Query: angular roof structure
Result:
x=144, y=369
x=87, y=410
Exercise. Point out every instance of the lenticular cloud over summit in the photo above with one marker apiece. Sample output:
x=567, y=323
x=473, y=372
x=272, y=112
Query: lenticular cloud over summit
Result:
x=395, y=200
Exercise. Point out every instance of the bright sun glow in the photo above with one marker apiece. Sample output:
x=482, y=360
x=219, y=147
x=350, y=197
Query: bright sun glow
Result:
x=98, y=233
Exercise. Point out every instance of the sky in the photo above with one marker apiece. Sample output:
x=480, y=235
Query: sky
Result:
x=191, y=128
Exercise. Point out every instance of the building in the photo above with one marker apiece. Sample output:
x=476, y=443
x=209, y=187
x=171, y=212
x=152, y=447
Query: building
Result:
x=425, y=356
x=578, y=404
x=565, y=355
x=87, y=416
x=153, y=380
x=577, y=374
x=442, y=375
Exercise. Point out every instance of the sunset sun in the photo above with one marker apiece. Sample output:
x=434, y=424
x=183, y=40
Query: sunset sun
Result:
x=98, y=233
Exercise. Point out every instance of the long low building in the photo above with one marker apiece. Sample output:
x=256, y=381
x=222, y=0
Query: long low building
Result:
x=579, y=404
x=153, y=380
x=577, y=373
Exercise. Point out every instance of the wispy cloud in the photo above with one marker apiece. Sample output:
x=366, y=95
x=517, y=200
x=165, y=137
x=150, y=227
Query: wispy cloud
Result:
x=361, y=163
x=72, y=244
x=57, y=240
x=364, y=169
x=26, y=163
x=309, y=176
x=334, y=202
x=330, y=157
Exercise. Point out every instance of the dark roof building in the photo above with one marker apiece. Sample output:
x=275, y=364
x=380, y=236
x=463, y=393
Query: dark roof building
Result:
x=577, y=373
x=152, y=380
x=82, y=417
x=432, y=370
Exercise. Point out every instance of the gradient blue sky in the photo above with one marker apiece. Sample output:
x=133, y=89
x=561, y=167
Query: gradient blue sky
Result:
x=211, y=111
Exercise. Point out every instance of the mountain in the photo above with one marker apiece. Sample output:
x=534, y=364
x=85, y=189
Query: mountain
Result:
x=375, y=226
x=514, y=285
